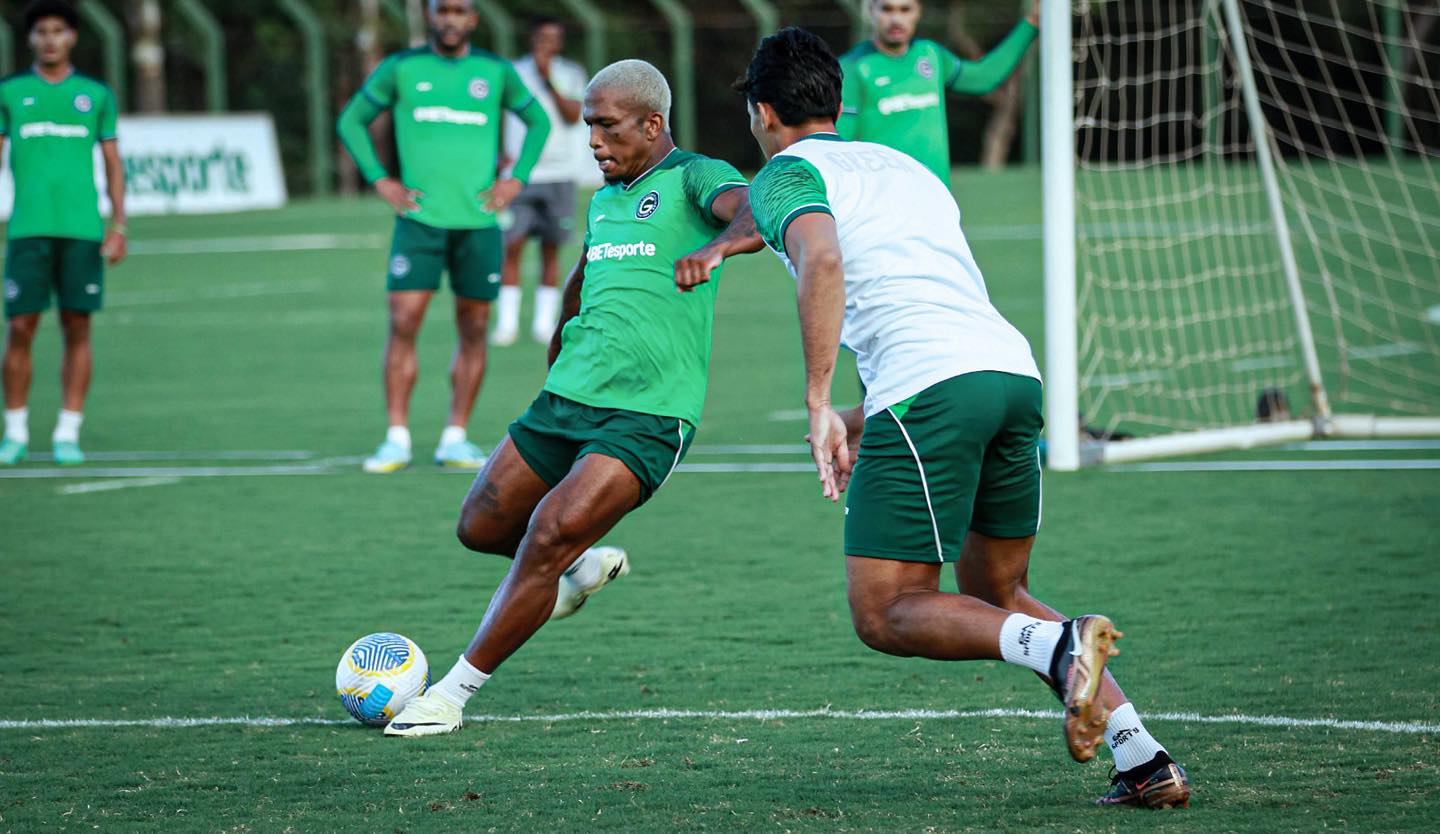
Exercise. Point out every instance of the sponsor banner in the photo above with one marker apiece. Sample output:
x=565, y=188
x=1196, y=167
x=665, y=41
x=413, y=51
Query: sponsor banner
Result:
x=188, y=164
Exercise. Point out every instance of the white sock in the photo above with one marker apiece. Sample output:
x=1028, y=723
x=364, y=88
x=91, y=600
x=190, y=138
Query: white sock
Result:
x=508, y=314
x=17, y=424
x=452, y=434
x=1129, y=741
x=547, y=309
x=585, y=572
x=67, y=428
x=399, y=435
x=462, y=681
x=1026, y=641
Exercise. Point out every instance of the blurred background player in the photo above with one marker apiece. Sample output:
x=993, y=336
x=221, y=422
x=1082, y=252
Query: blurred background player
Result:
x=895, y=84
x=948, y=467
x=53, y=117
x=446, y=98
x=545, y=209
x=628, y=371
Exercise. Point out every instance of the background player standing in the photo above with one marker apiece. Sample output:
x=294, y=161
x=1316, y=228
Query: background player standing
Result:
x=545, y=209
x=53, y=116
x=948, y=469
x=447, y=99
x=895, y=84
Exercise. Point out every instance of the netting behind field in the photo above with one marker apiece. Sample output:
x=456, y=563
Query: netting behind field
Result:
x=1184, y=313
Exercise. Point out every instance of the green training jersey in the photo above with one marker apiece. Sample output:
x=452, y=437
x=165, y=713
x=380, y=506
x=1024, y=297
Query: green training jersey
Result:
x=899, y=101
x=52, y=130
x=447, y=115
x=638, y=343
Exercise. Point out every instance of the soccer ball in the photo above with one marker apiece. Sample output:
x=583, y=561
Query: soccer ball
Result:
x=378, y=675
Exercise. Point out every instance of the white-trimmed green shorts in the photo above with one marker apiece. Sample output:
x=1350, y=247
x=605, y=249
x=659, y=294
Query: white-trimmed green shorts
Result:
x=961, y=455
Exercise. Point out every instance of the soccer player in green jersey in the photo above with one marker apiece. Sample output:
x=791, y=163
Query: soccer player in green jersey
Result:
x=446, y=98
x=53, y=117
x=947, y=469
x=895, y=84
x=627, y=380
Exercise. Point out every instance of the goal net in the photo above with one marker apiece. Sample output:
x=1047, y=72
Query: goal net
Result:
x=1256, y=223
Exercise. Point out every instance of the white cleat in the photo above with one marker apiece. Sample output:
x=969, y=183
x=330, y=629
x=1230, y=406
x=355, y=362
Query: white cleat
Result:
x=614, y=563
x=427, y=715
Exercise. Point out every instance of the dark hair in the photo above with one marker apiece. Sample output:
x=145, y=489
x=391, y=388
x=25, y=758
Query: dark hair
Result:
x=539, y=21
x=794, y=72
x=50, y=8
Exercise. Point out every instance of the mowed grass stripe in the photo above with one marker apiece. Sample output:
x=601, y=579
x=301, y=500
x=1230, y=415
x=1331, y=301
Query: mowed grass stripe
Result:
x=1404, y=727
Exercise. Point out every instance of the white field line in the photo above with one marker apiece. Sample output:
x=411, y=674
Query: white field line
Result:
x=259, y=243
x=1398, y=727
x=1275, y=465
x=146, y=298
x=751, y=449
x=113, y=484
x=201, y=455
x=1362, y=445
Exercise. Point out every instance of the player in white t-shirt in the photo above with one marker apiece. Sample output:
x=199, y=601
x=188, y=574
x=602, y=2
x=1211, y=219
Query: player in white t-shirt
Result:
x=545, y=209
x=947, y=468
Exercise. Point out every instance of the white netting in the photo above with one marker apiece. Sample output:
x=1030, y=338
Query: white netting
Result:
x=1184, y=312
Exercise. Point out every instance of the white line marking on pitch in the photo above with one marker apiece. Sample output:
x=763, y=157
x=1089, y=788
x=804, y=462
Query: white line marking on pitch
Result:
x=1275, y=465
x=114, y=484
x=142, y=456
x=1400, y=727
x=262, y=243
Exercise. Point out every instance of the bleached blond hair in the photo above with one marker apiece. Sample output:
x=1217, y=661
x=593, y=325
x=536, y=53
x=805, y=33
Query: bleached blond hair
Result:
x=639, y=85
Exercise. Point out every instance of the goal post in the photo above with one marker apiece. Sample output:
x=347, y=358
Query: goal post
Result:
x=1242, y=224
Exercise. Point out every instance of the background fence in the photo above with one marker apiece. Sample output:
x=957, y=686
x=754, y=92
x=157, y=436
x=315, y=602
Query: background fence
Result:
x=301, y=59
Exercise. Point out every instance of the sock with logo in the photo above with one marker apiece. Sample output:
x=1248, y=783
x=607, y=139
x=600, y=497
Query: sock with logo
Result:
x=461, y=682
x=1026, y=641
x=585, y=571
x=452, y=434
x=399, y=435
x=67, y=428
x=547, y=309
x=508, y=309
x=17, y=424
x=1129, y=741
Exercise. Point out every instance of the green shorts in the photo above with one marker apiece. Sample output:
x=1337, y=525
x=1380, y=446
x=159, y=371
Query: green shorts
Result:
x=555, y=432
x=961, y=455
x=37, y=267
x=419, y=253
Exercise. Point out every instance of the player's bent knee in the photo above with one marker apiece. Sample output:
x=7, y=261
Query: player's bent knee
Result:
x=875, y=625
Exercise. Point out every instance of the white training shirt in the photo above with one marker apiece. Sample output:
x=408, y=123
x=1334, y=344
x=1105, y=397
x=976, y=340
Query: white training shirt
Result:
x=567, y=147
x=916, y=308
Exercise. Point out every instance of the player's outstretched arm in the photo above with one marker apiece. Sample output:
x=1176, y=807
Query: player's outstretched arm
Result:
x=978, y=78
x=739, y=238
x=814, y=248
x=569, y=306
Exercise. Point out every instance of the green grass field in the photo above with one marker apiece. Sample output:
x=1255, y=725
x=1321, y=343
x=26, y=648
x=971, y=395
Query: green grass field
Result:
x=222, y=581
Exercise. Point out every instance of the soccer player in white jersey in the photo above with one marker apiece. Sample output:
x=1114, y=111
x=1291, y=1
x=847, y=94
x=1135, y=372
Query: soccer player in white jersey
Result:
x=947, y=468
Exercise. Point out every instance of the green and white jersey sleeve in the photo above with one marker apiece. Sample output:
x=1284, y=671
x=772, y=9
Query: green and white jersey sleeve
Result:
x=783, y=190
x=916, y=308
x=638, y=344
x=52, y=131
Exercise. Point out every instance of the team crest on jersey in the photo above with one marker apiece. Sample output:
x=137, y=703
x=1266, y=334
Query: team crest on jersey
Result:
x=399, y=266
x=925, y=68
x=83, y=103
x=648, y=204
x=479, y=88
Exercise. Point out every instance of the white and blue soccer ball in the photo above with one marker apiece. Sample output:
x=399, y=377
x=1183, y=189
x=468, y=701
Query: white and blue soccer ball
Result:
x=378, y=675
